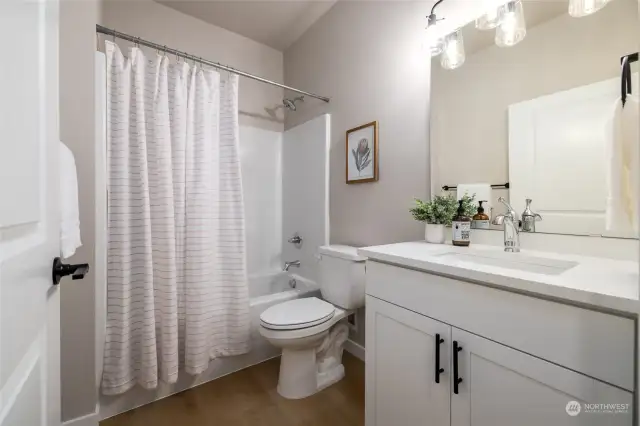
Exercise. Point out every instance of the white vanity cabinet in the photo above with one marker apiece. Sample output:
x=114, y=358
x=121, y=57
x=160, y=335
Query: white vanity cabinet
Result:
x=403, y=351
x=520, y=360
x=503, y=386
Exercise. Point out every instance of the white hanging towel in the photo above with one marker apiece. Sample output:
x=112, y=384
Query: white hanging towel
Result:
x=482, y=191
x=622, y=156
x=69, y=211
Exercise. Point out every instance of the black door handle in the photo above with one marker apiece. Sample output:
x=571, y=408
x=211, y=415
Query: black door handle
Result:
x=60, y=270
x=438, y=368
x=456, y=380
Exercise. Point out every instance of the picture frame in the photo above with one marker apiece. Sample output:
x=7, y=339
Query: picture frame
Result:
x=362, y=153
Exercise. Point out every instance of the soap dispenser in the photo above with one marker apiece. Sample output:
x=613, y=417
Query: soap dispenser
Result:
x=480, y=220
x=461, y=227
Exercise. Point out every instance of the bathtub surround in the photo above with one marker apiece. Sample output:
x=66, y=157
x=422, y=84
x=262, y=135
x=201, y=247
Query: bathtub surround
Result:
x=305, y=192
x=261, y=163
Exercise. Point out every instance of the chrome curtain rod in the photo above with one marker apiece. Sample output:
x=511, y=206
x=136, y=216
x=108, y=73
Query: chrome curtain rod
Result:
x=137, y=40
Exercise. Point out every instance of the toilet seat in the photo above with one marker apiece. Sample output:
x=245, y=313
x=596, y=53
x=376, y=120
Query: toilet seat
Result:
x=297, y=314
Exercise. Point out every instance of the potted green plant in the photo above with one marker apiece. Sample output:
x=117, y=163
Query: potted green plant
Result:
x=438, y=213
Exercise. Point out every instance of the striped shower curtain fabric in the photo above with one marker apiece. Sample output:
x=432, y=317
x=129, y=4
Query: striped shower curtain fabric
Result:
x=177, y=292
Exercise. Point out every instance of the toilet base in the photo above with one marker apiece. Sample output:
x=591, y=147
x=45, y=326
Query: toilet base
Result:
x=330, y=377
x=304, y=372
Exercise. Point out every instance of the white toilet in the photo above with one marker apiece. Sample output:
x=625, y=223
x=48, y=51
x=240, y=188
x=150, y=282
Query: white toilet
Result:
x=312, y=332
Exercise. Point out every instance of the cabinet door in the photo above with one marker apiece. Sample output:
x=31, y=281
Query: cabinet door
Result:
x=401, y=388
x=503, y=386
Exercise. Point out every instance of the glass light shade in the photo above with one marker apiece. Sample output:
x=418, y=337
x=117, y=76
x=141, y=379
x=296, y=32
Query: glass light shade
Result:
x=512, y=28
x=489, y=20
x=580, y=8
x=453, y=55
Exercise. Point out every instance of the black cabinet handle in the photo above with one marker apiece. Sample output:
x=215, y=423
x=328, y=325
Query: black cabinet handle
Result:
x=456, y=380
x=60, y=270
x=438, y=368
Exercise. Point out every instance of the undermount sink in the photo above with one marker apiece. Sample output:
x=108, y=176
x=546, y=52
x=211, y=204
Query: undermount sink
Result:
x=517, y=261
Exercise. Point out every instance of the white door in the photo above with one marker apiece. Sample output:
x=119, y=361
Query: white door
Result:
x=29, y=219
x=401, y=388
x=502, y=386
x=557, y=153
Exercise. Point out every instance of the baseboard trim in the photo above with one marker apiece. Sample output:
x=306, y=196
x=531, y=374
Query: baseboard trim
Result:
x=89, y=420
x=354, y=349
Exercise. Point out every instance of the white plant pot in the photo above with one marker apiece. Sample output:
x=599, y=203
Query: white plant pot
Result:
x=434, y=234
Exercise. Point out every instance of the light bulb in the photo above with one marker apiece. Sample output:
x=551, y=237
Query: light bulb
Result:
x=433, y=41
x=512, y=28
x=580, y=8
x=453, y=55
x=489, y=20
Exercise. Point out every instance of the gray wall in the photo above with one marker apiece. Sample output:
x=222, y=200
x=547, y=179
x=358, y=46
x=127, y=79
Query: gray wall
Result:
x=163, y=25
x=368, y=58
x=77, y=308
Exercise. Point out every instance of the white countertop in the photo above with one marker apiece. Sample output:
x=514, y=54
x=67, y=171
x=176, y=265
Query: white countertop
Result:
x=597, y=282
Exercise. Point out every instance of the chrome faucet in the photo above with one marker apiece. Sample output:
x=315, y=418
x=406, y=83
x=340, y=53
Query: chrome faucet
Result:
x=511, y=227
x=529, y=218
x=288, y=265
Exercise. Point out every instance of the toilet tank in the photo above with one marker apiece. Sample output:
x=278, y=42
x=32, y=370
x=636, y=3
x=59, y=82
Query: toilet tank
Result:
x=342, y=277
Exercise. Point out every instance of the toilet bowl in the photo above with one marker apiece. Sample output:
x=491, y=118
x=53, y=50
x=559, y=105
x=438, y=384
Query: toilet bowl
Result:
x=311, y=348
x=311, y=332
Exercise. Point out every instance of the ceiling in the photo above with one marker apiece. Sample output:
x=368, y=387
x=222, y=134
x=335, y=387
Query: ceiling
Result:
x=276, y=23
x=535, y=13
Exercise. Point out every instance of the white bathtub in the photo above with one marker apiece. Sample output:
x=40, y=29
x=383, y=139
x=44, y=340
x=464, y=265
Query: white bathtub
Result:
x=271, y=289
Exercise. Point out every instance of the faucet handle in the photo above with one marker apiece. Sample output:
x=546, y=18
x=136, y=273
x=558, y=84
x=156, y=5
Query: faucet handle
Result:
x=498, y=220
x=510, y=210
x=529, y=218
x=296, y=239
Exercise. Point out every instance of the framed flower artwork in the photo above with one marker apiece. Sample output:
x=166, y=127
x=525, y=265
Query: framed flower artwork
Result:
x=362, y=153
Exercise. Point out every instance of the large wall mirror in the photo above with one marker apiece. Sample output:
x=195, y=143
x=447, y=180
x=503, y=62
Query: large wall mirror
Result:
x=546, y=116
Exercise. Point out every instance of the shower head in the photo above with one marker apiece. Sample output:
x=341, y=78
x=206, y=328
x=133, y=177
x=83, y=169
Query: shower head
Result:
x=290, y=104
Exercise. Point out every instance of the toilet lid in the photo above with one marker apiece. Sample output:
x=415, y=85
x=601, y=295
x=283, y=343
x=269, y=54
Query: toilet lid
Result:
x=296, y=314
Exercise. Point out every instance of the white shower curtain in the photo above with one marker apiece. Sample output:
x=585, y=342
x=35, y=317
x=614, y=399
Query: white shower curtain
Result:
x=177, y=293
